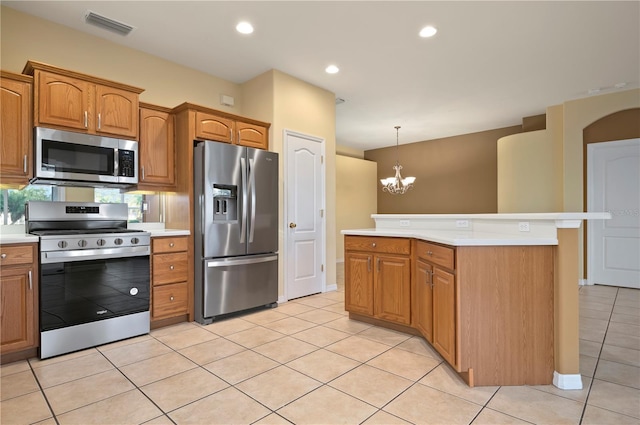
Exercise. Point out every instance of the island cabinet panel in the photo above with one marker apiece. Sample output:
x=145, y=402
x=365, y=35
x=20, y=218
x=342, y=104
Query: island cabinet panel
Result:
x=506, y=314
x=444, y=314
x=16, y=129
x=378, y=278
x=422, y=300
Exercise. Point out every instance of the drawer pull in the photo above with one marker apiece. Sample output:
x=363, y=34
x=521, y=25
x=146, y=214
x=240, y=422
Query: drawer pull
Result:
x=171, y=298
x=171, y=267
x=3, y=255
x=429, y=252
x=373, y=244
x=171, y=245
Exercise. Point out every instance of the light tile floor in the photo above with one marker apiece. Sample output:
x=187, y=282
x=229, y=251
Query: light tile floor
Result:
x=306, y=362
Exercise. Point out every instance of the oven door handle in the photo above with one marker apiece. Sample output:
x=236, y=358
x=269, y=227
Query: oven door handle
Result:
x=93, y=254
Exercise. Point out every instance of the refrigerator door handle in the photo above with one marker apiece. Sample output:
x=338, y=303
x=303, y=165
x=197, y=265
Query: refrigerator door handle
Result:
x=243, y=225
x=252, y=190
x=241, y=261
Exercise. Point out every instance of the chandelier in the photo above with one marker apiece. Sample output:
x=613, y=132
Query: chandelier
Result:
x=397, y=185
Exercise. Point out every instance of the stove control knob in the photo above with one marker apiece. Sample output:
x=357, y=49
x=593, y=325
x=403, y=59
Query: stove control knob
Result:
x=101, y=242
x=134, y=241
x=82, y=243
x=118, y=241
x=62, y=244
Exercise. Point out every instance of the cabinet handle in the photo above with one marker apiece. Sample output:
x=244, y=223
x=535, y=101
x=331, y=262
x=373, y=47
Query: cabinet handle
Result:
x=431, y=272
x=171, y=267
x=86, y=119
x=142, y=172
x=30, y=281
x=171, y=245
x=429, y=252
x=378, y=263
x=368, y=263
x=3, y=255
x=171, y=298
x=238, y=139
x=99, y=121
x=231, y=134
x=24, y=164
x=373, y=245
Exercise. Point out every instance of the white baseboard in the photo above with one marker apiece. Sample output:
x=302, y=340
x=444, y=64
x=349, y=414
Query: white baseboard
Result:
x=339, y=260
x=584, y=282
x=282, y=299
x=329, y=288
x=566, y=381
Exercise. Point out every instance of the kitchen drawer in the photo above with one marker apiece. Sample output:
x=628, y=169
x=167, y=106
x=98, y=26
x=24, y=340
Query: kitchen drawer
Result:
x=170, y=300
x=169, y=244
x=436, y=254
x=169, y=268
x=16, y=254
x=378, y=244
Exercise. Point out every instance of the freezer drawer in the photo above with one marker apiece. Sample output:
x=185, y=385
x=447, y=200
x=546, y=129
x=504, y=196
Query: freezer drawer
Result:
x=238, y=283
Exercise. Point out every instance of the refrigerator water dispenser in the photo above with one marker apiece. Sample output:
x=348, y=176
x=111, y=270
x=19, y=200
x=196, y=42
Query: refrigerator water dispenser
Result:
x=225, y=202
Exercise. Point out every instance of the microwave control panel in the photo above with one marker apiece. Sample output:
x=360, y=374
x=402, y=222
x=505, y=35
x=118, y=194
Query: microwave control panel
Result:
x=126, y=163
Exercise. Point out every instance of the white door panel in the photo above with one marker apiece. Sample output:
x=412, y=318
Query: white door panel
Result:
x=304, y=218
x=613, y=185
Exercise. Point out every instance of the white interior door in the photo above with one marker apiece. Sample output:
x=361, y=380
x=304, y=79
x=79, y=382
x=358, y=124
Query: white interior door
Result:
x=613, y=185
x=304, y=218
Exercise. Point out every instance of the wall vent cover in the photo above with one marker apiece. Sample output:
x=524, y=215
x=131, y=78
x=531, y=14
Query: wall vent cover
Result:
x=107, y=23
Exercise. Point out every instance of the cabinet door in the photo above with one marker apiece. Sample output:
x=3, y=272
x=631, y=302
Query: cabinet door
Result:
x=251, y=135
x=62, y=101
x=423, y=299
x=157, y=149
x=444, y=314
x=116, y=112
x=393, y=288
x=17, y=317
x=212, y=127
x=358, y=283
x=15, y=131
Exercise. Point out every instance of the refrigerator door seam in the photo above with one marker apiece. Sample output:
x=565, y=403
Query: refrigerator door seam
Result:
x=243, y=226
x=252, y=183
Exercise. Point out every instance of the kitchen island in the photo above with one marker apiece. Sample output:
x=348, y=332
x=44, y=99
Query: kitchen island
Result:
x=495, y=294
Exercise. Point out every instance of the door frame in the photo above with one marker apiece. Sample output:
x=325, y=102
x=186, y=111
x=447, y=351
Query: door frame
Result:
x=323, y=204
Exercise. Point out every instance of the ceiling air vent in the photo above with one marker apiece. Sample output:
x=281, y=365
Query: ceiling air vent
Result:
x=107, y=23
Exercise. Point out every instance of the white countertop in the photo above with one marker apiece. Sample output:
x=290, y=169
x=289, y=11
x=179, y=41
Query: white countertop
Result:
x=478, y=229
x=158, y=230
x=12, y=238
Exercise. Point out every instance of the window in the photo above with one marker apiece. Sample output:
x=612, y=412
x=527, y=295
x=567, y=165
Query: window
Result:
x=114, y=196
x=12, y=201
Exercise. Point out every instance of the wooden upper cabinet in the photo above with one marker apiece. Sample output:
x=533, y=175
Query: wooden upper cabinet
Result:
x=117, y=112
x=78, y=102
x=252, y=135
x=157, y=148
x=62, y=101
x=213, y=127
x=16, y=129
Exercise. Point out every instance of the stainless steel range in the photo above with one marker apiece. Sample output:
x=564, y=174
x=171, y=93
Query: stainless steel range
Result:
x=94, y=275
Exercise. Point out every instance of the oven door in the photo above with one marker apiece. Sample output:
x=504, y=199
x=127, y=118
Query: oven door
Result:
x=77, y=290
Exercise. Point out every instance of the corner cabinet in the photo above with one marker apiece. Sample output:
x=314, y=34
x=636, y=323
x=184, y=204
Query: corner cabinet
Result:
x=78, y=102
x=169, y=277
x=157, y=148
x=378, y=278
x=16, y=130
x=18, y=298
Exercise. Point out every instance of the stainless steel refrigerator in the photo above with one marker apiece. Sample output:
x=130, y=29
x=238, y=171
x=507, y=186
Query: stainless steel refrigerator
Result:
x=236, y=229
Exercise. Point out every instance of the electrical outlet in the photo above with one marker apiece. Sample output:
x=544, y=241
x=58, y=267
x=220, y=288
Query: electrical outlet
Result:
x=405, y=223
x=523, y=226
x=462, y=223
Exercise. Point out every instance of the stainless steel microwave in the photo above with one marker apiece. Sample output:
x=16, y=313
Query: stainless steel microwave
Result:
x=78, y=159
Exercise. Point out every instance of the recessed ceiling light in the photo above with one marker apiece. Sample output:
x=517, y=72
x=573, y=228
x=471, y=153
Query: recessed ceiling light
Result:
x=332, y=69
x=428, y=31
x=244, y=28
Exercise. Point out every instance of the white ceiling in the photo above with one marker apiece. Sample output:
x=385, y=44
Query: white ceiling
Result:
x=489, y=65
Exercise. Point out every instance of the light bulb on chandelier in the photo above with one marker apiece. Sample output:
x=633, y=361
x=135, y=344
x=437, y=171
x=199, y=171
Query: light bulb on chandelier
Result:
x=397, y=185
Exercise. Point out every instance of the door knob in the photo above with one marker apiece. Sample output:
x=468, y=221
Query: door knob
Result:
x=292, y=225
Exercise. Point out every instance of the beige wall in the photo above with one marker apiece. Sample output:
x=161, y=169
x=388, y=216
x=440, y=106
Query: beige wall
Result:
x=453, y=175
x=25, y=37
x=347, y=151
x=291, y=104
x=526, y=177
x=356, y=196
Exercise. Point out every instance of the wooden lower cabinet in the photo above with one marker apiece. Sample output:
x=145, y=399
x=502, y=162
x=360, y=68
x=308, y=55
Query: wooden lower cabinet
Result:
x=488, y=310
x=378, y=272
x=169, y=277
x=18, y=298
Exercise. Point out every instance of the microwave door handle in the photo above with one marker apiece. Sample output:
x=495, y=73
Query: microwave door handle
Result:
x=243, y=185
